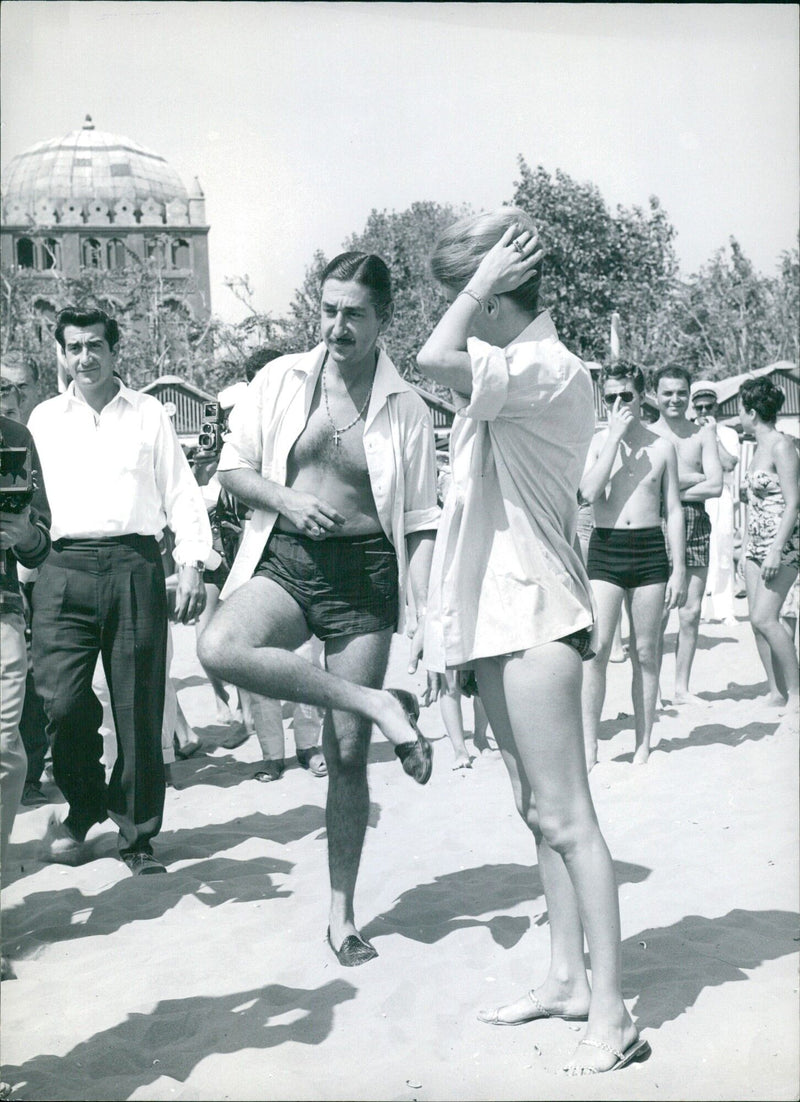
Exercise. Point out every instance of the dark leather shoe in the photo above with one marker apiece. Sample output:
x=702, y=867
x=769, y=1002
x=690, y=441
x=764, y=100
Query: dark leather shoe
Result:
x=416, y=757
x=271, y=770
x=313, y=760
x=141, y=863
x=353, y=951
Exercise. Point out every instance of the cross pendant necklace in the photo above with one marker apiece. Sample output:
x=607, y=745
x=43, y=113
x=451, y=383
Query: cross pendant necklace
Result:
x=337, y=432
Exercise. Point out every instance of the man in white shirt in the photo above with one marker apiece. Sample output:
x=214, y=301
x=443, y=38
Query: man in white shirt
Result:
x=118, y=477
x=335, y=453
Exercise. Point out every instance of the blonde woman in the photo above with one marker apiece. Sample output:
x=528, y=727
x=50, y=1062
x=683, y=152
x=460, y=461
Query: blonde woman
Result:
x=509, y=598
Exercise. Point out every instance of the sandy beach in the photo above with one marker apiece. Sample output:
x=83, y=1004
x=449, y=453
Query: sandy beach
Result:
x=215, y=982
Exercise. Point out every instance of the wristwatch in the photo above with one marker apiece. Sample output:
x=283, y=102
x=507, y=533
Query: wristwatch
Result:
x=197, y=565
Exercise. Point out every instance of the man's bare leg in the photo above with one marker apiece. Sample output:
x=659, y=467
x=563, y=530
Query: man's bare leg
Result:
x=250, y=643
x=689, y=624
x=345, y=739
x=645, y=608
x=608, y=599
x=450, y=707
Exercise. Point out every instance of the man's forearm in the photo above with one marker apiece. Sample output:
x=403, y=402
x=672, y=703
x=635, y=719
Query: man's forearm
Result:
x=702, y=491
x=254, y=490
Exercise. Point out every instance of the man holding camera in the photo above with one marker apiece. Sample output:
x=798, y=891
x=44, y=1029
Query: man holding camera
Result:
x=25, y=539
x=116, y=476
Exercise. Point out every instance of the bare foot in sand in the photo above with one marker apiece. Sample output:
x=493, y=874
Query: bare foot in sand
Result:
x=681, y=697
x=775, y=700
x=642, y=755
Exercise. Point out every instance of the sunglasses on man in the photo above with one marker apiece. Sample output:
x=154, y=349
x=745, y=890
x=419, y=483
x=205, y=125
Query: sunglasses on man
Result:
x=704, y=407
x=625, y=395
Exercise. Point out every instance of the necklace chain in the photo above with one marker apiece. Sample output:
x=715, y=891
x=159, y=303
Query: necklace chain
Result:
x=337, y=432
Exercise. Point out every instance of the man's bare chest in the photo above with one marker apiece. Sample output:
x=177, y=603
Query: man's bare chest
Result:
x=322, y=445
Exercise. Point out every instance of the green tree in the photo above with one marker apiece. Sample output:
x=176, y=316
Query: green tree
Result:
x=404, y=240
x=598, y=262
x=159, y=334
x=728, y=319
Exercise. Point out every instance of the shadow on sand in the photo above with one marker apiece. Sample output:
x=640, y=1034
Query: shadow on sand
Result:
x=66, y=913
x=668, y=967
x=179, y=1033
x=456, y=901
x=711, y=734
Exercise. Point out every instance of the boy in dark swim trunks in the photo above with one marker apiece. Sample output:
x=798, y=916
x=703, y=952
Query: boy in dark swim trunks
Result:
x=631, y=476
x=700, y=478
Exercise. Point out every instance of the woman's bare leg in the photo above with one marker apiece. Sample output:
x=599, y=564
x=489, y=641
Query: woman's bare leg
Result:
x=774, y=645
x=535, y=698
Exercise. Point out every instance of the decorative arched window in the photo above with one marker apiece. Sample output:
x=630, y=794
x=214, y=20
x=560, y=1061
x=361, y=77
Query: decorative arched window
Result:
x=115, y=253
x=155, y=251
x=181, y=254
x=91, y=253
x=25, y=253
x=49, y=254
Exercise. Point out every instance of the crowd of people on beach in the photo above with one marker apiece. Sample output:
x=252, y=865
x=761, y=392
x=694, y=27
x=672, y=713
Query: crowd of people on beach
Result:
x=325, y=524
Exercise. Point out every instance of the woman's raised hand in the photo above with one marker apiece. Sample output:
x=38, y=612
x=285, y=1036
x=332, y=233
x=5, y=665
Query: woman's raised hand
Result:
x=508, y=264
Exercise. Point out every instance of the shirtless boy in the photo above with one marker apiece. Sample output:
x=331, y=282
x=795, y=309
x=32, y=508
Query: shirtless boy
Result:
x=700, y=477
x=631, y=478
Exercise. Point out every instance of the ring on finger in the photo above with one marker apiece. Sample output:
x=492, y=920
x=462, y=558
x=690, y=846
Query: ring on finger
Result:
x=517, y=246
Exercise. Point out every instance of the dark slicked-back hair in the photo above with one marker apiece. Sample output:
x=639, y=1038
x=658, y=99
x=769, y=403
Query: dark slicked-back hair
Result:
x=762, y=397
x=624, y=369
x=367, y=269
x=672, y=371
x=73, y=315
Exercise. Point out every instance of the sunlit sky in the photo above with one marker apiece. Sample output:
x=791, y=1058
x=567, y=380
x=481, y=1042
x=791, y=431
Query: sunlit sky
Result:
x=299, y=118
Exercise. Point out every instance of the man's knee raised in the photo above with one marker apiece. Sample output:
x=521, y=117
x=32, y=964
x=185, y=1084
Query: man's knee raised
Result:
x=213, y=645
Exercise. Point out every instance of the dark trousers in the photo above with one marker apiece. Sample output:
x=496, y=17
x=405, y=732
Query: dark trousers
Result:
x=32, y=729
x=33, y=721
x=104, y=597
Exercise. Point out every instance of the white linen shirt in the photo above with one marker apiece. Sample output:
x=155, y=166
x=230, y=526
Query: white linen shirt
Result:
x=505, y=574
x=398, y=442
x=118, y=472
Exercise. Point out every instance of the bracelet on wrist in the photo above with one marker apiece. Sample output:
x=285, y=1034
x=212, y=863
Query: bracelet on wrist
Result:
x=472, y=295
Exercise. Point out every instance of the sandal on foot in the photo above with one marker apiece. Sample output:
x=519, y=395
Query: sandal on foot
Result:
x=492, y=1017
x=353, y=950
x=313, y=760
x=638, y=1049
x=416, y=757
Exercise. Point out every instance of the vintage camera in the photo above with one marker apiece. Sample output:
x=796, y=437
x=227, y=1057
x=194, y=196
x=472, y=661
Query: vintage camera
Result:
x=17, y=482
x=210, y=438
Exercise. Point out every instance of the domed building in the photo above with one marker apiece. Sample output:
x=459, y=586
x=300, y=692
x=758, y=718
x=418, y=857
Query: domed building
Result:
x=96, y=200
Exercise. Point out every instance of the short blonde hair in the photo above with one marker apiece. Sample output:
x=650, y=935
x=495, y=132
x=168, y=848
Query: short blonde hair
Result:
x=462, y=246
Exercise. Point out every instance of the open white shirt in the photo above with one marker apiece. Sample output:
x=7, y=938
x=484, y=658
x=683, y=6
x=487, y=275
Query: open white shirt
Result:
x=398, y=442
x=118, y=472
x=506, y=575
